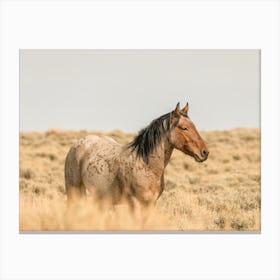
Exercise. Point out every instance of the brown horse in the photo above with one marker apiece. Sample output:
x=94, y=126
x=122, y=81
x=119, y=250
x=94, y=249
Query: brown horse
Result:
x=134, y=172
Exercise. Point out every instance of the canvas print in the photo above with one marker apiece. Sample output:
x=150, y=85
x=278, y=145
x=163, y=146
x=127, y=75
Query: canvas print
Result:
x=140, y=141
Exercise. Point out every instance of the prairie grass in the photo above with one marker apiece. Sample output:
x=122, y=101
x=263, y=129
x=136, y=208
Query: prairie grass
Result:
x=222, y=193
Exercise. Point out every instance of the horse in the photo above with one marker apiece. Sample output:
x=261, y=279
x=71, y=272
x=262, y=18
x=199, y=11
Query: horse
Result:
x=133, y=172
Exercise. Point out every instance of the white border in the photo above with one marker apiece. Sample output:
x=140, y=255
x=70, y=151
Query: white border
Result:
x=139, y=24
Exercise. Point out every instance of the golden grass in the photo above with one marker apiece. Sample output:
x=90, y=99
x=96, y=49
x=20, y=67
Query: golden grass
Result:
x=222, y=193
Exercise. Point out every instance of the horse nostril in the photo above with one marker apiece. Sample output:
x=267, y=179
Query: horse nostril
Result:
x=204, y=153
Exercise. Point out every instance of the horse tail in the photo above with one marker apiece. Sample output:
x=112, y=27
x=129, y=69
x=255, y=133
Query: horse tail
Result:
x=73, y=180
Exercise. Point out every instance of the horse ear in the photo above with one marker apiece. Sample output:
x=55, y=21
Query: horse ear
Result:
x=176, y=114
x=186, y=108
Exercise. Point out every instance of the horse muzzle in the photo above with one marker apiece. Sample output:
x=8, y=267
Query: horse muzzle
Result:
x=202, y=157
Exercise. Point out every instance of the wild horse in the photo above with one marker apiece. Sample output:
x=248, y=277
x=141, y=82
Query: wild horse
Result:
x=133, y=172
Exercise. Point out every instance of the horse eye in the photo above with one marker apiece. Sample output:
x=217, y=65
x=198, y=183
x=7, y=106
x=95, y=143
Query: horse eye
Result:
x=184, y=128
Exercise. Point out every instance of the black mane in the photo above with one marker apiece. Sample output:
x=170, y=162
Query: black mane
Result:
x=148, y=138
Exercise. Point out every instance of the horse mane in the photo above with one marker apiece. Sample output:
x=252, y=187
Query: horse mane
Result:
x=149, y=137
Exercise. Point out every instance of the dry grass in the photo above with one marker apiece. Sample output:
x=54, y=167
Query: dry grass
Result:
x=222, y=193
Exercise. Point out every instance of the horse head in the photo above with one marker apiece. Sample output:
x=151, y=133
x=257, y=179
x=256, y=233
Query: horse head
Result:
x=184, y=135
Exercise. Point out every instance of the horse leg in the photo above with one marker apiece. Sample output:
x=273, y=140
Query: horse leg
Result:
x=142, y=210
x=75, y=194
x=135, y=207
x=147, y=210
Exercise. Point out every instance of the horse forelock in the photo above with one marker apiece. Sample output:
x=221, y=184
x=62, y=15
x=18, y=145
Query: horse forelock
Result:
x=149, y=137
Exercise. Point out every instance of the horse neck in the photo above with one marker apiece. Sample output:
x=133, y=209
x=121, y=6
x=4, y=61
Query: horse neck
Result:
x=160, y=157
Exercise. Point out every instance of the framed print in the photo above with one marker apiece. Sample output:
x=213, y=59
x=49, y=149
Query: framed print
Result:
x=161, y=178
x=236, y=120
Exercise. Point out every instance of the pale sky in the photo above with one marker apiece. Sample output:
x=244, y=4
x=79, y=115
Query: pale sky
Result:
x=127, y=89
